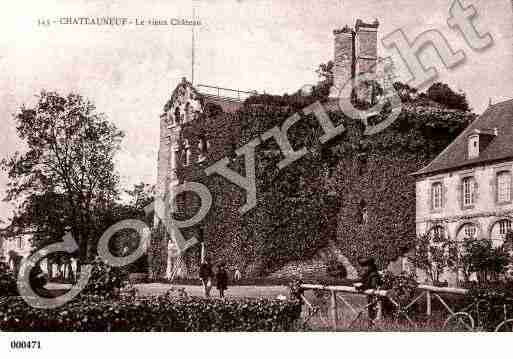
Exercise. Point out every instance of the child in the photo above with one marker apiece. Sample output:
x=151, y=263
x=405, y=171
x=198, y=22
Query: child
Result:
x=222, y=280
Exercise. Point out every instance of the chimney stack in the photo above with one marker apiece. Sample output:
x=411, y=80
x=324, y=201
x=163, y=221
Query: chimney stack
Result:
x=343, y=67
x=356, y=52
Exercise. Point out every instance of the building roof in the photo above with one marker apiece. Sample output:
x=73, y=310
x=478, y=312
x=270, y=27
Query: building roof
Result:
x=499, y=117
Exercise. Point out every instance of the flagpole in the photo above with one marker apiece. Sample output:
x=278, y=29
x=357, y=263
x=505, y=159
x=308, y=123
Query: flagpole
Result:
x=192, y=50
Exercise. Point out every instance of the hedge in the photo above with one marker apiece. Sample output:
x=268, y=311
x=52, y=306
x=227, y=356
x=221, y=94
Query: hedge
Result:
x=161, y=313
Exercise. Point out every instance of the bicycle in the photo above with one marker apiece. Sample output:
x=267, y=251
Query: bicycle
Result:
x=398, y=313
x=479, y=315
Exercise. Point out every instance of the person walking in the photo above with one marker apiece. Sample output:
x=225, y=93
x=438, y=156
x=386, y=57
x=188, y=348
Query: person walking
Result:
x=206, y=274
x=221, y=280
x=370, y=279
x=237, y=275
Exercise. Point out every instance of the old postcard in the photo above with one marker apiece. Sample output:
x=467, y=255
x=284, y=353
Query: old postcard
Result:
x=251, y=165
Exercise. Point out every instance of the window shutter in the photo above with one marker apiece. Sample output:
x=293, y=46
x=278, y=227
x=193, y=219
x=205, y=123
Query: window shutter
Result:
x=494, y=187
x=430, y=197
x=460, y=193
x=476, y=191
x=510, y=186
x=444, y=195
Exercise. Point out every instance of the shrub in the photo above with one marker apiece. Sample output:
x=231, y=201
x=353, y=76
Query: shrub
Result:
x=336, y=269
x=481, y=258
x=163, y=313
x=7, y=282
x=401, y=287
x=105, y=281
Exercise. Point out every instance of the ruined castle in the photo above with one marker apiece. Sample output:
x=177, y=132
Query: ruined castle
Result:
x=198, y=128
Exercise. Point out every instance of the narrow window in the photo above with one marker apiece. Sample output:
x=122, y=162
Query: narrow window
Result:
x=202, y=148
x=177, y=115
x=187, y=153
x=504, y=227
x=468, y=191
x=504, y=186
x=436, y=195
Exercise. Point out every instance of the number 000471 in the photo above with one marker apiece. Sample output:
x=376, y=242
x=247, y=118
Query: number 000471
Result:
x=25, y=344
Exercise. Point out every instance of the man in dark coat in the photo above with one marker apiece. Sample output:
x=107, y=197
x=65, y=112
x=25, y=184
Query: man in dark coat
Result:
x=221, y=280
x=38, y=280
x=206, y=274
x=370, y=279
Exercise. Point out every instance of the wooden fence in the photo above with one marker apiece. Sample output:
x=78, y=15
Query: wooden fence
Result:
x=429, y=292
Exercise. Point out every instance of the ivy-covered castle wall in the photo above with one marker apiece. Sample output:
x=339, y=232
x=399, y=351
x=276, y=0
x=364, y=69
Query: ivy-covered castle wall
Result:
x=354, y=193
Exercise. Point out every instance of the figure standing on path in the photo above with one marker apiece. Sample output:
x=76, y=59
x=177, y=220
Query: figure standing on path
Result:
x=237, y=275
x=206, y=274
x=221, y=280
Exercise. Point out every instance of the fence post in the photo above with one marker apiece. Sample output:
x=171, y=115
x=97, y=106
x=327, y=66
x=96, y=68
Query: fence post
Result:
x=334, y=312
x=428, y=302
x=379, y=308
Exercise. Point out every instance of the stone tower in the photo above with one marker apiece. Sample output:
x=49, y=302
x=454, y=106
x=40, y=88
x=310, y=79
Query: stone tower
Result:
x=366, y=55
x=366, y=52
x=356, y=53
x=343, y=69
x=179, y=147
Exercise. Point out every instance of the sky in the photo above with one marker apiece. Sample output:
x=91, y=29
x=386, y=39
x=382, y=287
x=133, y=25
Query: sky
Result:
x=130, y=71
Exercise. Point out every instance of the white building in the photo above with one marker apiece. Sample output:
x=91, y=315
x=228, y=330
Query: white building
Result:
x=466, y=191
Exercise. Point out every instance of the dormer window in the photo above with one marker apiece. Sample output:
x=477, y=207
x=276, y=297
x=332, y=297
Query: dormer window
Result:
x=473, y=146
x=478, y=140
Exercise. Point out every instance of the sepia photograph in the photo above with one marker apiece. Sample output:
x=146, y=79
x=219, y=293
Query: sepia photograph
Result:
x=238, y=166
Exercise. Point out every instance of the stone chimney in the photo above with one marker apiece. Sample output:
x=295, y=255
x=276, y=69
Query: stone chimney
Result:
x=366, y=46
x=343, y=69
x=356, y=52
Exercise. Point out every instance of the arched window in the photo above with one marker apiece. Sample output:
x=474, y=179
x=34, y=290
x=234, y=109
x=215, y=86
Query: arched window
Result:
x=504, y=186
x=437, y=232
x=466, y=232
x=469, y=230
x=436, y=195
x=202, y=148
x=499, y=231
x=504, y=227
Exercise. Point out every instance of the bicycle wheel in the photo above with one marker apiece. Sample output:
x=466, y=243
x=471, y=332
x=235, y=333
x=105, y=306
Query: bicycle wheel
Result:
x=459, y=322
x=505, y=326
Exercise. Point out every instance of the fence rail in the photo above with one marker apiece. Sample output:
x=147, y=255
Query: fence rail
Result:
x=335, y=291
x=216, y=90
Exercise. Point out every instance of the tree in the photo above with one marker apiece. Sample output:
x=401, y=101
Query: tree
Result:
x=325, y=72
x=444, y=95
x=406, y=93
x=434, y=255
x=141, y=195
x=479, y=257
x=70, y=158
